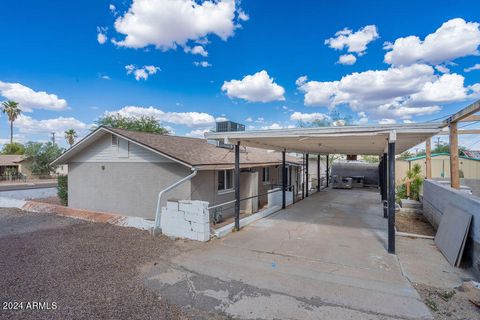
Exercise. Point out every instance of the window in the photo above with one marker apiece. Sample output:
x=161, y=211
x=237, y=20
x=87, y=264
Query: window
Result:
x=225, y=180
x=265, y=174
x=114, y=140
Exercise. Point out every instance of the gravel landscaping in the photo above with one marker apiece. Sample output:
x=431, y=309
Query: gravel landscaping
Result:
x=80, y=270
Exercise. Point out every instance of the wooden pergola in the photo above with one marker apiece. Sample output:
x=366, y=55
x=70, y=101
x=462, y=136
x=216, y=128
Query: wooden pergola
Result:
x=465, y=115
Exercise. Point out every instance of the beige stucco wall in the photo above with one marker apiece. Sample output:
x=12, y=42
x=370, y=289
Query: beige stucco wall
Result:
x=470, y=168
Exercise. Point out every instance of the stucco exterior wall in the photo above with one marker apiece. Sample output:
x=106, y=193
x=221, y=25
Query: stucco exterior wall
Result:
x=123, y=178
x=126, y=188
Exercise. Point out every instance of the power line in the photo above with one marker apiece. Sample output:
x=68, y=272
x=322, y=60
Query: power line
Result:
x=469, y=124
x=473, y=143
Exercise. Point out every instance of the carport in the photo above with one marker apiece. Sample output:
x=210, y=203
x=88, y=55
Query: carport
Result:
x=384, y=140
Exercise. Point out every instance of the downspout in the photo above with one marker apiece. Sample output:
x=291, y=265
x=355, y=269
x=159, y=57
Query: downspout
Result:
x=160, y=194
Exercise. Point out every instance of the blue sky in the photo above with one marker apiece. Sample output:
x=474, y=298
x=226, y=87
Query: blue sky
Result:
x=68, y=63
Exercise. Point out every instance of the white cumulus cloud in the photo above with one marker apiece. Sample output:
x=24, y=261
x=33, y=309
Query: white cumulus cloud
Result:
x=474, y=67
x=27, y=124
x=197, y=50
x=396, y=92
x=102, y=35
x=141, y=73
x=258, y=87
x=167, y=24
x=347, y=59
x=30, y=99
x=454, y=39
x=387, y=121
x=353, y=41
x=203, y=64
x=308, y=117
x=189, y=119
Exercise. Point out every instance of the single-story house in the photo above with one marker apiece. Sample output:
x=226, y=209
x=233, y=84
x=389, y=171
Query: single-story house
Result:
x=12, y=165
x=469, y=165
x=121, y=171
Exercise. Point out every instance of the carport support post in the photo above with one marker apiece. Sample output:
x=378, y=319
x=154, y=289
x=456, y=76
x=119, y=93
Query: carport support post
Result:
x=318, y=173
x=284, y=180
x=237, y=186
x=384, y=183
x=326, y=171
x=391, y=192
x=306, y=175
x=303, y=176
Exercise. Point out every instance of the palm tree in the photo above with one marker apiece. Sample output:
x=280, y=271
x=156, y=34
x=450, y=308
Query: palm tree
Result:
x=12, y=110
x=70, y=135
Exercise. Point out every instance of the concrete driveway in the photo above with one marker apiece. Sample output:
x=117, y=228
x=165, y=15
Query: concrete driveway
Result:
x=321, y=258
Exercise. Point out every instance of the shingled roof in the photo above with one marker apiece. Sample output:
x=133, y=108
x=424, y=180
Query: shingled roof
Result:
x=194, y=152
x=10, y=159
x=198, y=152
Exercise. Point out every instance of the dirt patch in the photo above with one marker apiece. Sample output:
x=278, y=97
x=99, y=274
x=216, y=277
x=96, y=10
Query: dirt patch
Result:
x=413, y=223
x=49, y=200
x=90, y=270
x=447, y=304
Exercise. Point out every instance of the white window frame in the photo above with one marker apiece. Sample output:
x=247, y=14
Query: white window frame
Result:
x=225, y=190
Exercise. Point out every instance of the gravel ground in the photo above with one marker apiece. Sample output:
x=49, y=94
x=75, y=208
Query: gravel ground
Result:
x=88, y=270
x=413, y=223
x=448, y=304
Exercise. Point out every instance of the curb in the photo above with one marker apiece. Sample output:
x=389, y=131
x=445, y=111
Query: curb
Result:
x=86, y=215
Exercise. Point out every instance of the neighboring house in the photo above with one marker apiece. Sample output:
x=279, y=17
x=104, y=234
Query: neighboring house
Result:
x=11, y=165
x=120, y=171
x=468, y=164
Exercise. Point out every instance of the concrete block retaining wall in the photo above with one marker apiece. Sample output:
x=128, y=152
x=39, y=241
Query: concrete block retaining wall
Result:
x=275, y=198
x=437, y=198
x=188, y=219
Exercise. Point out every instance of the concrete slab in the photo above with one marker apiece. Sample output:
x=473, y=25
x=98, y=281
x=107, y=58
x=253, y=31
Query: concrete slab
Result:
x=323, y=258
x=423, y=263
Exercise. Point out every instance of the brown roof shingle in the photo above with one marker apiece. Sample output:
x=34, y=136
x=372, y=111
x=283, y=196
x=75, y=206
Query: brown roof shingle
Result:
x=198, y=152
x=10, y=159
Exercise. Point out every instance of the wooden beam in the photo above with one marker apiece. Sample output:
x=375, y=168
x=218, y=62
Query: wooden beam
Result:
x=454, y=168
x=465, y=112
x=471, y=118
x=428, y=151
x=471, y=131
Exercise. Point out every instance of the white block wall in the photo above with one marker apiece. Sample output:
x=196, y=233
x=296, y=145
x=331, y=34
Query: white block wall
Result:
x=188, y=219
x=275, y=198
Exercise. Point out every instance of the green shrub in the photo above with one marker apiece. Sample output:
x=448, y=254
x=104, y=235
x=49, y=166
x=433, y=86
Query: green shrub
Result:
x=62, y=189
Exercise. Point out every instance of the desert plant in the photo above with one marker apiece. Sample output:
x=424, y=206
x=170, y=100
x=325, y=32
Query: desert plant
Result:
x=414, y=177
x=70, y=136
x=62, y=189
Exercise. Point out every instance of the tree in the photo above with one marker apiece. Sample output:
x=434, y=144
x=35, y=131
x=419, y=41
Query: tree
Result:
x=42, y=155
x=370, y=159
x=70, y=136
x=13, y=148
x=143, y=123
x=12, y=110
x=405, y=155
x=334, y=118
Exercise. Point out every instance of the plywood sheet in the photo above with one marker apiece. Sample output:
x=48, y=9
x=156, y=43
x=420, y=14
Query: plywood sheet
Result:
x=452, y=233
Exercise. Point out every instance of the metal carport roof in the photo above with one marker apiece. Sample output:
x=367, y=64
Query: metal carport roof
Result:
x=367, y=140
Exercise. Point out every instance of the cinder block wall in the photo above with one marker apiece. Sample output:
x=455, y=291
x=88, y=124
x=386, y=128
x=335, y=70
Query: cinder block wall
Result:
x=437, y=198
x=349, y=169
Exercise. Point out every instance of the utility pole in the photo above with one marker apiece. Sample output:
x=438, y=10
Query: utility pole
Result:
x=53, y=137
x=438, y=143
